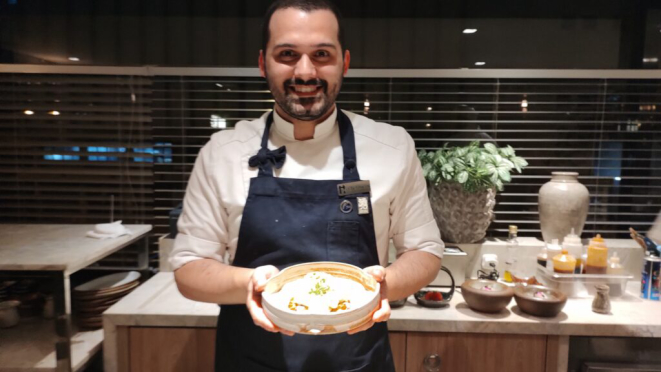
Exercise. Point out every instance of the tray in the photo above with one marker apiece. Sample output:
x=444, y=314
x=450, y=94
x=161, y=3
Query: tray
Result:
x=582, y=285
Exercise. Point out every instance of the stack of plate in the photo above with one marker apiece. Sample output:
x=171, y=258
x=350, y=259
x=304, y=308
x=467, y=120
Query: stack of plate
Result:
x=94, y=297
x=4, y=290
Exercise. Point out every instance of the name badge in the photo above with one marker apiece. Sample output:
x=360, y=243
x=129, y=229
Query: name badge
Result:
x=363, y=205
x=358, y=187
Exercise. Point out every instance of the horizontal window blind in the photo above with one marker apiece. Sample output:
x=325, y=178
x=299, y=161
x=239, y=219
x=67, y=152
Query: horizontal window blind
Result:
x=76, y=149
x=607, y=130
x=137, y=137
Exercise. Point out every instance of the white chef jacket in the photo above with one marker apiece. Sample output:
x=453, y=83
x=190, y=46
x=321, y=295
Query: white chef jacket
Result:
x=385, y=155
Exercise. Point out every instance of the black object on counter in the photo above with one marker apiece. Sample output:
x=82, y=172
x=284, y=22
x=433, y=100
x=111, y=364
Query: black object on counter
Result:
x=436, y=299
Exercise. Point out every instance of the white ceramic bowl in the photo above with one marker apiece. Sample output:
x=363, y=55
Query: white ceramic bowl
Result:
x=318, y=323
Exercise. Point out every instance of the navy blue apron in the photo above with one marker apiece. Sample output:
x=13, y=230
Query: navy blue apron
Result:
x=290, y=221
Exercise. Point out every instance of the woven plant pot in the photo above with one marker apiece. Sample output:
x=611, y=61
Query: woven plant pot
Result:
x=462, y=217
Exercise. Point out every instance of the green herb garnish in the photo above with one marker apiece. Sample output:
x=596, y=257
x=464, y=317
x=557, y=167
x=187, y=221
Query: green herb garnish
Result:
x=319, y=288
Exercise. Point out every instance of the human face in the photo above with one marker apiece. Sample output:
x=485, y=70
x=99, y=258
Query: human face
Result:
x=303, y=63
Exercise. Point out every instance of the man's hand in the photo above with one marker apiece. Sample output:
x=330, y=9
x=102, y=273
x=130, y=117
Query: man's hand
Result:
x=382, y=314
x=254, y=301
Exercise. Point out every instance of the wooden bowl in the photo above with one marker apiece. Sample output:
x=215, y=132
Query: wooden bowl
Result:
x=321, y=323
x=539, y=300
x=487, y=296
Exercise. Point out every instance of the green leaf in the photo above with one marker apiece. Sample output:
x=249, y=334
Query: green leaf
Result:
x=491, y=148
x=461, y=152
x=504, y=163
x=491, y=168
x=504, y=174
x=499, y=185
x=507, y=151
x=432, y=176
x=425, y=170
x=521, y=162
x=447, y=168
x=462, y=177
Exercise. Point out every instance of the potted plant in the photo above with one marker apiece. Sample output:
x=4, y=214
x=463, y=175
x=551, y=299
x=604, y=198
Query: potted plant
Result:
x=463, y=182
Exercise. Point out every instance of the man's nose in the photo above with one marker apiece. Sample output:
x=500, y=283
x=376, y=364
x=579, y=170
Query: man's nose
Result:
x=305, y=69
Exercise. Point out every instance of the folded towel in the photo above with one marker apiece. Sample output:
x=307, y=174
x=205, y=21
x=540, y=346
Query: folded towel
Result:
x=109, y=230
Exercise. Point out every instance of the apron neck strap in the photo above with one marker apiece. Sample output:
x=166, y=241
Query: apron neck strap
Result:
x=347, y=139
x=350, y=169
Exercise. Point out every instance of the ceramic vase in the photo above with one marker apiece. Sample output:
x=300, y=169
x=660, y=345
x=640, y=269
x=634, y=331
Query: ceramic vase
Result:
x=563, y=205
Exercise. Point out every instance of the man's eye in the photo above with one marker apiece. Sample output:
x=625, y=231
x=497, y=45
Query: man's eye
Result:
x=287, y=53
x=323, y=53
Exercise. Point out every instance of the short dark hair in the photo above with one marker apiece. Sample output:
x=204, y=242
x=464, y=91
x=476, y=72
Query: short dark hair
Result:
x=306, y=6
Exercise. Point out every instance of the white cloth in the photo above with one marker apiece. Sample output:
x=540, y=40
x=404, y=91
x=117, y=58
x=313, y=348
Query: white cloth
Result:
x=218, y=187
x=108, y=230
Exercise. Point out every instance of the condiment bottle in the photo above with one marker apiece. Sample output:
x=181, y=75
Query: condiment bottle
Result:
x=564, y=263
x=512, y=254
x=553, y=250
x=542, y=257
x=572, y=243
x=597, y=256
x=614, y=266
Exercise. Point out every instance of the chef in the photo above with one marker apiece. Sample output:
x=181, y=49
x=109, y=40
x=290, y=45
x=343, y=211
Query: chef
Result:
x=305, y=182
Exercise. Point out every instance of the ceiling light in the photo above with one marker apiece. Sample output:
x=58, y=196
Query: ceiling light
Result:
x=650, y=60
x=470, y=30
x=54, y=113
x=28, y=112
x=524, y=103
x=427, y=125
x=429, y=108
x=74, y=59
x=219, y=85
x=367, y=103
x=480, y=63
x=618, y=178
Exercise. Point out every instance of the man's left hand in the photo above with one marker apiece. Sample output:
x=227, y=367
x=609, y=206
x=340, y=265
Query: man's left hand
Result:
x=382, y=314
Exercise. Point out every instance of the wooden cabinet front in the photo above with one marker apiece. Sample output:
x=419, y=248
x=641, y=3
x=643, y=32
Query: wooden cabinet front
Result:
x=148, y=349
x=171, y=349
x=476, y=352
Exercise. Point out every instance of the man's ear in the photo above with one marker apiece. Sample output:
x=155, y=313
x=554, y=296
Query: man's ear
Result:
x=260, y=62
x=347, y=60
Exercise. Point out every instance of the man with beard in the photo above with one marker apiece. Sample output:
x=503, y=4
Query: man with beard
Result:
x=306, y=182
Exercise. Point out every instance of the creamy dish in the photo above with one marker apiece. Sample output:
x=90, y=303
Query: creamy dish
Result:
x=319, y=292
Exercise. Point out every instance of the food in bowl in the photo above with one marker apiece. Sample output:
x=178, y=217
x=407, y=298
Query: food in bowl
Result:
x=321, y=298
x=320, y=292
x=539, y=300
x=486, y=296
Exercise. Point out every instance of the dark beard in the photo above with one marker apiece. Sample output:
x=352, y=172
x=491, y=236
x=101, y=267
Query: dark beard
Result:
x=288, y=101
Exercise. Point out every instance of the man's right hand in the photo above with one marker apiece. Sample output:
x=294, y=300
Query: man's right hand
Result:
x=256, y=286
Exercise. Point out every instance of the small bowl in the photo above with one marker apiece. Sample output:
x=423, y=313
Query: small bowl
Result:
x=539, y=300
x=397, y=303
x=321, y=323
x=487, y=296
x=443, y=298
x=438, y=299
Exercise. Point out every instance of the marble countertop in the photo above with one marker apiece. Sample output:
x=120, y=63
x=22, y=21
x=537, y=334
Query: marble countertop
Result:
x=158, y=303
x=57, y=247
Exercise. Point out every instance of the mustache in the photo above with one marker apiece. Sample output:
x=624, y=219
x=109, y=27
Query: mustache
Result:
x=313, y=82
